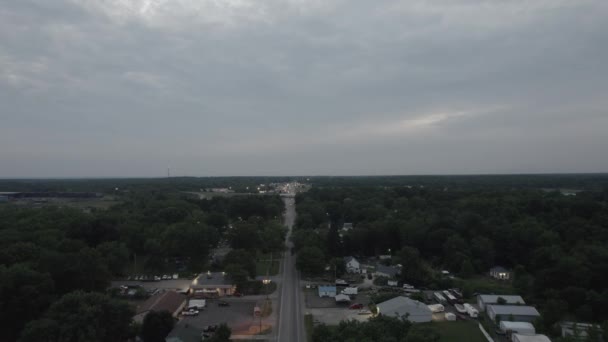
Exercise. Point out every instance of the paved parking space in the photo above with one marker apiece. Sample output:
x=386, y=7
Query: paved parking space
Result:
x=238, y=316
x=335, y=315
x=177, y=285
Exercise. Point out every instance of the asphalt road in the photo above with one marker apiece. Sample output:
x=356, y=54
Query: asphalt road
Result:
x=291, y=320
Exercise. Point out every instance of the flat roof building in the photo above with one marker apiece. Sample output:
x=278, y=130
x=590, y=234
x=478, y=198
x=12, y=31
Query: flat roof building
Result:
x=483, y=300
x=212, y=285
x=516, y=313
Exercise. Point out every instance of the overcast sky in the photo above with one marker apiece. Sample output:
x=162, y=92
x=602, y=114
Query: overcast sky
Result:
x=95, y=88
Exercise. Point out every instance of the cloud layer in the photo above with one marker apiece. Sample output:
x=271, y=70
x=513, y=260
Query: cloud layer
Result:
x=244, y=87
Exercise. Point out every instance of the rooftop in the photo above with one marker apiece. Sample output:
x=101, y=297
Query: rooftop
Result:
x=498, y=269
x=532, y=338
x=403, y=305
x=169, y=301
x=390, y=270
x=511, y=299
x=514, y=310
x=212, y=279
x=517, y=325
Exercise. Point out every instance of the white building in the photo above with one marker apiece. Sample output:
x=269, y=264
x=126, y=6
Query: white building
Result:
x=525, y=328
x=500, y=273
x=413, y=310
x=352, y=265
x=529, y=338
x=518, y=313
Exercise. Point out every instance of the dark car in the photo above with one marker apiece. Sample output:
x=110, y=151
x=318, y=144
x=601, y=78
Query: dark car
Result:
x=210, y=328
x=223, y=303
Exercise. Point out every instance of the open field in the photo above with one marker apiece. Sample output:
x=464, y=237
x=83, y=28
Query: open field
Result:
x=459, y=331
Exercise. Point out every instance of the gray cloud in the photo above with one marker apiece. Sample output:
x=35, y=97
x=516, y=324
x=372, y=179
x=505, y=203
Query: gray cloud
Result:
x=125, y=88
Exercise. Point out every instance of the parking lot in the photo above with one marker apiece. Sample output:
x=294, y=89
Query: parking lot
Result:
x=238, y=315
x=334, y=316
x=176, y=285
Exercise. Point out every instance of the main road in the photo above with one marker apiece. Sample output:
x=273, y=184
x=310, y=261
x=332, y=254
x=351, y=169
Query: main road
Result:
x=291, y=320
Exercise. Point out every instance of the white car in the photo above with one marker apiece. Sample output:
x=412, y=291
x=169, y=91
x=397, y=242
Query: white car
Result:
x=408, y=286
x=190, y=313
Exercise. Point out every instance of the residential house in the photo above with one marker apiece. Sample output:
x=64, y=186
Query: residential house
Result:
x=387, y=271
x=212, y=285
x=352, y=265
x=483, y=300
x=327, y=291
x=166, y=301
x=413, y=310
x=500, y=273
x=516, y=313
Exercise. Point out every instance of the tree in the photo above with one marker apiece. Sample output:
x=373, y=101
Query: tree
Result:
x=413, y=269
x=422, y=333
x=467, y=270
x=222, y=334
x=156, y=326
x=243, y=259
x=310, y=260
x=80, y=316
x=237, y=274
x=24, y=293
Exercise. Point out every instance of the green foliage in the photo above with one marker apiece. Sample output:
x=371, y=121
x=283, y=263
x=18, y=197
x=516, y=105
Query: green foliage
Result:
x=156, y=326
x=310, y=260
x=377, y=329
x=222, y=334
x=422, y=333
x=242, y=259
x=80, y=316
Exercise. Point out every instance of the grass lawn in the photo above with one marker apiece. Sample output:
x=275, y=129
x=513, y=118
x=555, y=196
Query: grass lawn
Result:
x=485, y=285
x=459, y=331
x=308, y=324
x=261, y=266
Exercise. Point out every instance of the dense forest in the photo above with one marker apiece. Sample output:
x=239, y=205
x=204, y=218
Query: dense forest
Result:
x=556, y=244
x=56, y=263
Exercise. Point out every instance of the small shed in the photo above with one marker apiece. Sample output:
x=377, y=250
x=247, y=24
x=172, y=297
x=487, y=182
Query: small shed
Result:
x=327, y=291
x=500, y=273
x=342, y=298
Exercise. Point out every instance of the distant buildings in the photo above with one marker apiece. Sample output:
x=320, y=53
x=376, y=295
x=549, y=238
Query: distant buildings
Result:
x=577, y=329
x=414, y=311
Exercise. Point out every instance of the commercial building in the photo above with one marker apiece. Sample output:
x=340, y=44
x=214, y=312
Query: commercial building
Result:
x=327, y=291
x=413, y=310
x=515, y=313
x=212, y=285
x=483, y=300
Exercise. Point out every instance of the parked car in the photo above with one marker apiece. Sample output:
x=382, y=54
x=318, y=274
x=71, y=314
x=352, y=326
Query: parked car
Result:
x=223, y=303
x=210, y=328
x=356, y=306
x=190, y=313
x=237, y=294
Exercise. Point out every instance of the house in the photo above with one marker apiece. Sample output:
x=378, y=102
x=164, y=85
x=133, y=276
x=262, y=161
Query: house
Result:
x=386, y=271
x=518, y=313
x=580, y=330
x=185, y=333
x=529, y=338
x=483, y=300
x=166, y=301
x=352, y=265
x=500, y=273
x=347, y=226
x=413, y=310
x=327, y=291
x=212, y=285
